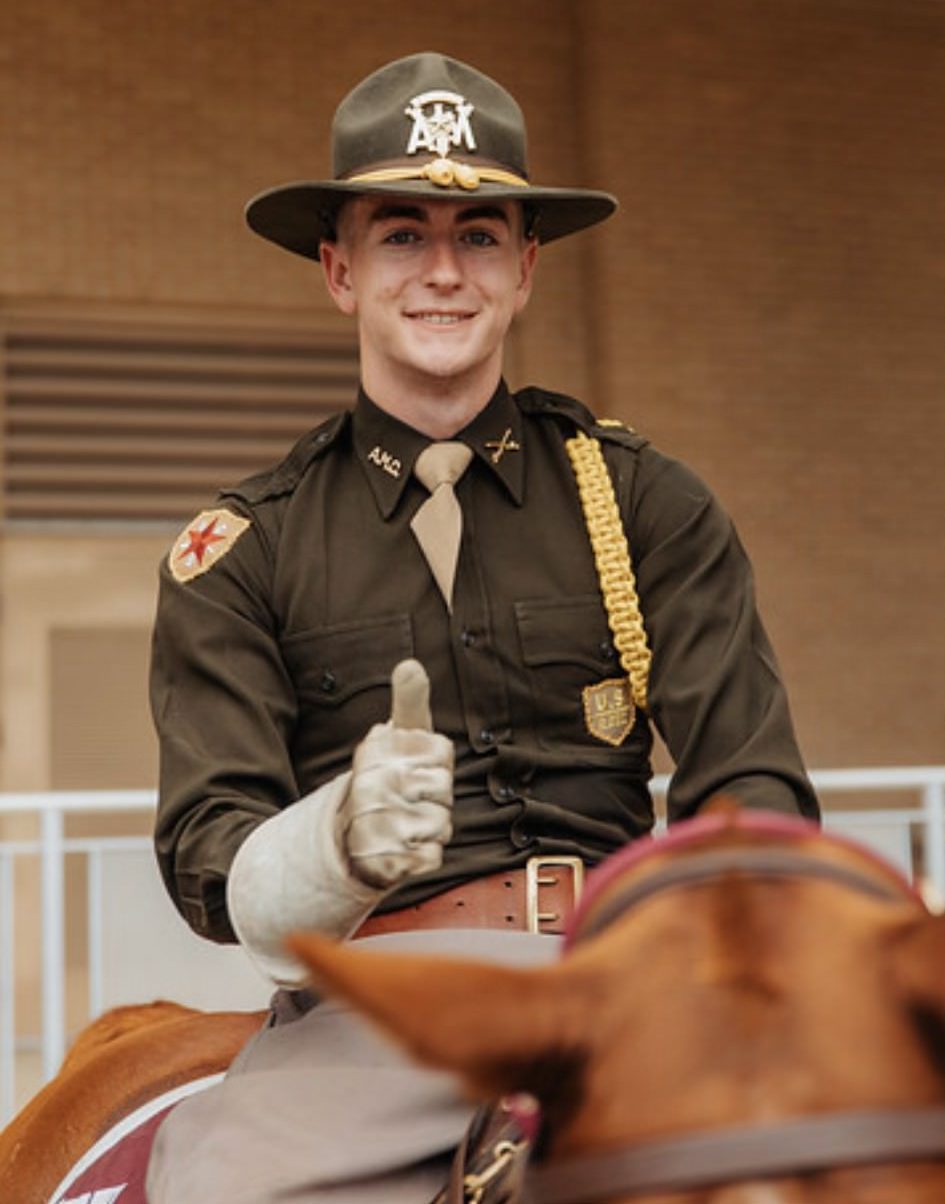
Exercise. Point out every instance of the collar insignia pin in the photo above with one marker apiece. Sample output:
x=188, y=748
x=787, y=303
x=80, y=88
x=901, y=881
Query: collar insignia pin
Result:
x=383, y=459
x=499, y=447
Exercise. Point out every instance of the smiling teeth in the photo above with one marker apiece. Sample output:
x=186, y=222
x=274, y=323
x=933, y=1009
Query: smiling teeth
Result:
x=441, y=319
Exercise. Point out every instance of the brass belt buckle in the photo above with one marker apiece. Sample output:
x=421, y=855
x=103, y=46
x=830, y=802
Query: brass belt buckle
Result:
x=537, y=877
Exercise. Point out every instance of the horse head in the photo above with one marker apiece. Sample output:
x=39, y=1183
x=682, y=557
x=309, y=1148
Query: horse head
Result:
x=747, y=974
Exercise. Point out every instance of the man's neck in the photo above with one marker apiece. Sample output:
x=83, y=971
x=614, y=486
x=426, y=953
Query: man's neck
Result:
x=438, y=409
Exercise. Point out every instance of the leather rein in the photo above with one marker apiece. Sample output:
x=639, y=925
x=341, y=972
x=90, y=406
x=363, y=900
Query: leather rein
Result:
x=699, y=1159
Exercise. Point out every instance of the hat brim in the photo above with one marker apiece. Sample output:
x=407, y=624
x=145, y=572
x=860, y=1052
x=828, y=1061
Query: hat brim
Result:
x=299, y=216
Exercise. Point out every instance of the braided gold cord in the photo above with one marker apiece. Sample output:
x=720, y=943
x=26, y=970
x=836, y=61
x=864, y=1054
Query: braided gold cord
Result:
x=612, y=557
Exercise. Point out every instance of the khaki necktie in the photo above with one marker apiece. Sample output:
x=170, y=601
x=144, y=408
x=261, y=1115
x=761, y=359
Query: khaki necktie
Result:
x=438, y=524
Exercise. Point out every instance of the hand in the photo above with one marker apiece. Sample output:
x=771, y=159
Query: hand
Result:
x=395, y=818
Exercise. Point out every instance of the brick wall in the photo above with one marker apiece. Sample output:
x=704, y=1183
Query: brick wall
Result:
x=778, y=280
x=767, y=304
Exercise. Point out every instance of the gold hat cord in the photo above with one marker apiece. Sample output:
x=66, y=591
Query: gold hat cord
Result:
x=444, y=173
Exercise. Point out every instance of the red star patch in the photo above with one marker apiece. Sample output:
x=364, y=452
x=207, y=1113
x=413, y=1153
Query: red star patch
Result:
x=201, y=539
x=204, y=542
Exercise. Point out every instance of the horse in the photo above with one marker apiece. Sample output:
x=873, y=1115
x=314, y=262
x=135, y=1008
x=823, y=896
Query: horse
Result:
x=127, y=1057
x=747, y=1011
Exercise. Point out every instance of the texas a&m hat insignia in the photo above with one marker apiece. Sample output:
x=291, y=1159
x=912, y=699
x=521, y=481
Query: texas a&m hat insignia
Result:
x=204, y=542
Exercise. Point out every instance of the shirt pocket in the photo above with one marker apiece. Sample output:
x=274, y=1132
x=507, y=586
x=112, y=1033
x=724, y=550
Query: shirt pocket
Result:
x=566, y=646
x=341, y=676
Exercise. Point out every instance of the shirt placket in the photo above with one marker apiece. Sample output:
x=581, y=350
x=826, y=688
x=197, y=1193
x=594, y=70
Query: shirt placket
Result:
x=482, y=686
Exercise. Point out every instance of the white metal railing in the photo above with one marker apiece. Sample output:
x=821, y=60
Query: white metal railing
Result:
x=51, y=847
x=924, y=817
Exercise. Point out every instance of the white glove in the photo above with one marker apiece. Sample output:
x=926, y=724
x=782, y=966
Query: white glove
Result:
x=396, y=817
x=325, y=862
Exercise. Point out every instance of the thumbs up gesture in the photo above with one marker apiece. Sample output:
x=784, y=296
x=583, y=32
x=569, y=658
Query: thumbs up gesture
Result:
x=395, y=818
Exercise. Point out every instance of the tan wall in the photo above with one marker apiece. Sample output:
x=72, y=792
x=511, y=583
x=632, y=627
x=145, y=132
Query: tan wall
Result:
x=767, y=304
x=73, y=648
x=774, y=306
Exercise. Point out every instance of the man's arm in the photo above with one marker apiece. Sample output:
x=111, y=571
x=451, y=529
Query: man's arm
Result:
x=716, y=695
x=326, y=861
x=225, y=710
x=243, y=858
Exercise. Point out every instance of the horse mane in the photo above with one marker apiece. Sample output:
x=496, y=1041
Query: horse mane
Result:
x=118, y=1022
x=742, y=941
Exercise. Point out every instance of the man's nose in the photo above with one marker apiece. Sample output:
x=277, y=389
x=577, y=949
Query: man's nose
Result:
x=443, y=268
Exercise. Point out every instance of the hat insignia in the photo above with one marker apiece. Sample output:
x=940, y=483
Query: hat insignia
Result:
x=440, y=120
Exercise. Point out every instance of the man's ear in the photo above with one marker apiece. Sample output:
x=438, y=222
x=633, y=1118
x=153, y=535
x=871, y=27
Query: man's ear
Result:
x=527, y=273
x=337, y=273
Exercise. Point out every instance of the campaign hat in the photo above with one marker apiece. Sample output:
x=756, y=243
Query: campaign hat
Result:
x=426, y=126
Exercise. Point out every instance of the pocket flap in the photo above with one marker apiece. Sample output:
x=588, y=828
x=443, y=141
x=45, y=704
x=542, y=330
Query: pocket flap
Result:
x=330, y=664
x=565, y=631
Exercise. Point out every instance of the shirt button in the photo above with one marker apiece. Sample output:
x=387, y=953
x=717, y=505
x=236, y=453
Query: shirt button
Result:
x=467, y=638
x=607, y=650
x=328, y=683
x=505, y=792
x=487, y=736
x=519, y=837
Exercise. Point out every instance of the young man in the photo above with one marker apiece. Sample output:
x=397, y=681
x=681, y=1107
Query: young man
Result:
x=305, y=782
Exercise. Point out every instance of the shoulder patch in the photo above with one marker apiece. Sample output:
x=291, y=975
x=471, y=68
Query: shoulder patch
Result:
x=204, y=542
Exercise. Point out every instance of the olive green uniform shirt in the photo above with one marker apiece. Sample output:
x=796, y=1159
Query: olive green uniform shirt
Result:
x=272, y=664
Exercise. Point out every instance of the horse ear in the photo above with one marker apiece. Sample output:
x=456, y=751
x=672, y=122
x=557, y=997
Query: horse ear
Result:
x=485, y=1022
x=918, y=946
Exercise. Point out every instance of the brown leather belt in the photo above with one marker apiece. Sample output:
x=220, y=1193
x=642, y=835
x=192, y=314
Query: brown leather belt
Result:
x=538, y=898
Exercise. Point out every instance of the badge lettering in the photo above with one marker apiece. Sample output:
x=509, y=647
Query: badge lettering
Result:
x=440, y=120
x=609, y=712
x=385, y=460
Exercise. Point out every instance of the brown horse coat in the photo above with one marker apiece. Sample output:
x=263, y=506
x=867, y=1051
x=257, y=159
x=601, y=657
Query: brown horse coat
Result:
x=736, y=999
x=125, y=1058
x=724, y=1000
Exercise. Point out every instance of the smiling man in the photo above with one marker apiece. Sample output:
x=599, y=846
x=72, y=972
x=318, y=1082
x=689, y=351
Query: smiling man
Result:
x=434, y=285
x=405, y=688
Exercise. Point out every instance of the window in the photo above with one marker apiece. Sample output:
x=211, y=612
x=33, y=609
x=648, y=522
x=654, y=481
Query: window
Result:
x=137, y=421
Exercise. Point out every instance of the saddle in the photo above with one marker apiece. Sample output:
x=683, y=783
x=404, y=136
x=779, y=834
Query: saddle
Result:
x=116, y=1166
x=490, y=1161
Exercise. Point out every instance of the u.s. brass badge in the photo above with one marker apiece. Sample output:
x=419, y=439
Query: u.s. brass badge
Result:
x=608, y=710
x=204, y=542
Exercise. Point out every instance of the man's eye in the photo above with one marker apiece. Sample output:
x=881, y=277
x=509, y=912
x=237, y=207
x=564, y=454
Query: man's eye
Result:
x=401, y=238
x=480, y=238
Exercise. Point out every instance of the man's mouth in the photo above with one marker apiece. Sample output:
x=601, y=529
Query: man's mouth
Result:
x=439, y=318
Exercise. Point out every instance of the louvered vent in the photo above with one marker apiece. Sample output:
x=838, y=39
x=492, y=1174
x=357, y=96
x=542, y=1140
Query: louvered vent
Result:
x=144, y=422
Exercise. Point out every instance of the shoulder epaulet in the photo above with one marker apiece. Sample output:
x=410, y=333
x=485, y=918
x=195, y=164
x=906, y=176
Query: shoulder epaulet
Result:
x=612, y=430
x=285, y=476
x=608, y=430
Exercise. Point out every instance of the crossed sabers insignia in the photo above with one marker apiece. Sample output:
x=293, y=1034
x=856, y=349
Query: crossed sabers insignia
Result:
x=499, y=447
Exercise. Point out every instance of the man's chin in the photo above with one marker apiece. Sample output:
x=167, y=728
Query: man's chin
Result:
x=443, y=368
